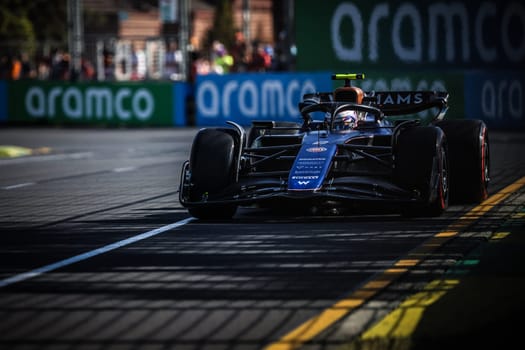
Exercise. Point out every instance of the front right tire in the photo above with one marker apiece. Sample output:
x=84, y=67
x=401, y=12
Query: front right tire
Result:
x=421, y=165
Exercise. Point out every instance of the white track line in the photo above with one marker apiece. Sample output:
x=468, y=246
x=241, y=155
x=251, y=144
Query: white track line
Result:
x=124, y=169
x=47, y=268
x=25, y=184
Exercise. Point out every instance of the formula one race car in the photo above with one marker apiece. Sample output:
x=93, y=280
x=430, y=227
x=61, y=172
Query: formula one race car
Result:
x=353, y=149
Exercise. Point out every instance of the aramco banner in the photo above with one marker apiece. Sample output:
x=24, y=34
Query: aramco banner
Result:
x=133, y=104
x=243, y=98
x=398, y=34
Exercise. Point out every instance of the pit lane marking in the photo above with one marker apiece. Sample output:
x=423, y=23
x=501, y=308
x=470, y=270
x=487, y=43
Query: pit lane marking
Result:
x=319, y=323
x=54, y=266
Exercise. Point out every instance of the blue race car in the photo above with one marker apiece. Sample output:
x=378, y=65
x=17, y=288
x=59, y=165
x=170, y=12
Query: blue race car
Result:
x=353, y=149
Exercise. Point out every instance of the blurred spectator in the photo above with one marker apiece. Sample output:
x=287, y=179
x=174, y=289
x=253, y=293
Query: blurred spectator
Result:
x=173, y=62
x=65, y=65
x=138, y=62
x=194, y=56
x=238, y=52
x=16, y=68
x=43, y=68
x=87, y=70
x=202, y=66
x=222, y=60
x=60, y=66
x=109, y=65
x=260, y=60
x=27, y=69
x=268, y=56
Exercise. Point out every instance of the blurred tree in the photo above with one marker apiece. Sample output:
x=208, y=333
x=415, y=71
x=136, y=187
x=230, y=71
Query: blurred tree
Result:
x=49, y=18
x=23, y=23
x=15, y=26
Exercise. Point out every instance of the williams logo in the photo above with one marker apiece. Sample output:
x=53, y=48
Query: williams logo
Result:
x=399, y=98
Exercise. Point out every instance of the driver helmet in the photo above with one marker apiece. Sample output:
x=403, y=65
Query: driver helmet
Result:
x=345, y=120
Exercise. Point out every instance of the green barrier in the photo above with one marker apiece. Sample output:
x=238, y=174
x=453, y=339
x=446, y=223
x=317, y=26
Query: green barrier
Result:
x=111, y=104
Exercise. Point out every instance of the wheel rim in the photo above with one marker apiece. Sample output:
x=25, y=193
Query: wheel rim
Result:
x=444, y=178
x=486, y=162
x=485, y=168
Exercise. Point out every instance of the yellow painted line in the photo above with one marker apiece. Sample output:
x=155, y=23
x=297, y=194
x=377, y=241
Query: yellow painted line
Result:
x=401, y=322
x=407, y=262
x=499, y=236
x=317, y=324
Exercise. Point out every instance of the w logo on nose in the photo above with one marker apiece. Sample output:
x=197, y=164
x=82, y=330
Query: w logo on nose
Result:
x=303, y=182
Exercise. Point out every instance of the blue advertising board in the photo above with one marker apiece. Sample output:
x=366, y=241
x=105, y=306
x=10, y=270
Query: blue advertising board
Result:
x=243, y=98
x=497, y=98
x=181, y=93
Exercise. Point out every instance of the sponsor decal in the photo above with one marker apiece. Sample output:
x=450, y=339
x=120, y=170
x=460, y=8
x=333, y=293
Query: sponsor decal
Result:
x=311, y=166
x=397, y=98
x=316, y=149
x=311, y=177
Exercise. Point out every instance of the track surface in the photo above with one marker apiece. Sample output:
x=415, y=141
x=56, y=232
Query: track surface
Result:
x=243, y=284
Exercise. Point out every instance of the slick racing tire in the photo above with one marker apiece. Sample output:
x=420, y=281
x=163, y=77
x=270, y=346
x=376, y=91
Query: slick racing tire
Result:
x=212, y=166
x=421, y=165
x=469, y=157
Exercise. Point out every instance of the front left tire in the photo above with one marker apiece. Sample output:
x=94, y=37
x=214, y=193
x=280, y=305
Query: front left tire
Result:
x=212, y=168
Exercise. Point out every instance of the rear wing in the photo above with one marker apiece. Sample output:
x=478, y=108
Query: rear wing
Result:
x=392, y=103
x=408, y=102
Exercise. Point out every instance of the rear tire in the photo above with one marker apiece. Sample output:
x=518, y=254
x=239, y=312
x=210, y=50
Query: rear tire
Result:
x=212, y=166
x=468, y=142
x=421, y=165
